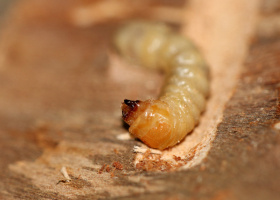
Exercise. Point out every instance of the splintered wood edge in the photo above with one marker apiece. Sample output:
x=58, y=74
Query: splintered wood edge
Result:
x=224, y=37
x=98, y=12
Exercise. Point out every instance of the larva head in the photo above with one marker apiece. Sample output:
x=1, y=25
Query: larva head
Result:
x=132, y=109
x=150, y=121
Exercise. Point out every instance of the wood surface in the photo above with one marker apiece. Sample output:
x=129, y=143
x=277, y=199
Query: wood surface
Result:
x=61, y=85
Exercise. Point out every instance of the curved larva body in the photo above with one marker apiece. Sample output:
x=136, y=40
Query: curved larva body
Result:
x=165, y=122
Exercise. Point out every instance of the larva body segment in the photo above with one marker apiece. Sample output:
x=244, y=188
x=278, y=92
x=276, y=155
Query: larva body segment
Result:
x=165, y=122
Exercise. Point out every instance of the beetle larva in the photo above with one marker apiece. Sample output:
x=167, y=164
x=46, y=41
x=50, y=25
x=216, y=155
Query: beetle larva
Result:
x=164, y=122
